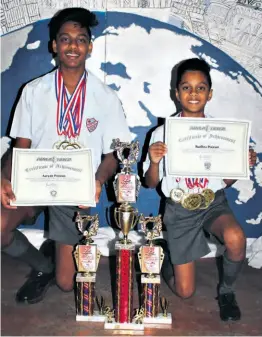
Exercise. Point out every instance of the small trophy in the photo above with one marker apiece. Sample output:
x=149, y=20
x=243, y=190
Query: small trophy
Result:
x=126, y=187
x=87, y=258
x=151, y=258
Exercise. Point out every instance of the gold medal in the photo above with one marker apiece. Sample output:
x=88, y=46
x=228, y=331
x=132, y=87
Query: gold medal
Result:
x=176, y=195
x=66, y=145
x=204, y=203
x=209, y=195
x=192, y=201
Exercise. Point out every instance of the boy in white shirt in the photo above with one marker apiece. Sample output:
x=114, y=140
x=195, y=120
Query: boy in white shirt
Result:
x=186, y=222
x=67, y=103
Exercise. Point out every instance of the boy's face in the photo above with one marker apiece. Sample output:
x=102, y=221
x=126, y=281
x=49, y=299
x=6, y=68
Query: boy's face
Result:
x=193, y=92
x=72, y=45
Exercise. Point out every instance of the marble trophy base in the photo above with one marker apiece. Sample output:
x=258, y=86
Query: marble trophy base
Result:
x=159, y=319
x=96, y=317
x=123, y=326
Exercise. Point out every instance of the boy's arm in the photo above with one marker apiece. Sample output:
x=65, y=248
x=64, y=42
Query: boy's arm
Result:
x=152, y=175
x=229, y=182
x=22, y=143
x=7, y=193
x=156, y=153
x=107, y=168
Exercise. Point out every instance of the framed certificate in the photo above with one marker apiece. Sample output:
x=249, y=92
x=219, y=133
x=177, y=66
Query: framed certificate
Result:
x=207, y=147
x=53, y=177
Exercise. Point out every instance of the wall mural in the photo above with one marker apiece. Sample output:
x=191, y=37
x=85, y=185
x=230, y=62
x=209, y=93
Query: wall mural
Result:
x=135, y=47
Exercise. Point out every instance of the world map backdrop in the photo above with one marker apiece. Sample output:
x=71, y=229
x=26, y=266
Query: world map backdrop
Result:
x=136, y=44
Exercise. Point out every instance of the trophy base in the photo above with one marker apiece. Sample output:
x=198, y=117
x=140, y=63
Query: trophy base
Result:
x=155, y=279
x=123, y=326
x=159, y=319
x=128, y=246
x=85, y=277
x=96, y=317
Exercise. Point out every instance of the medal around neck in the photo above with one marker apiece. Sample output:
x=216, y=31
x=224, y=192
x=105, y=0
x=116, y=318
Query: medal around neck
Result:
x=192, y=201
x=209, y=195
x=67, y=145
x=177, y=195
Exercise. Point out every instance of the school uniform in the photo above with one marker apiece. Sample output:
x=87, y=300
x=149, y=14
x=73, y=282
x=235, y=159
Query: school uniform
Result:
x=186, y=238
x=103, y=120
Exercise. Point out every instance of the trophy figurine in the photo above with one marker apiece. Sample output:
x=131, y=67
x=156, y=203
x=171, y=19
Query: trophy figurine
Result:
x=87, y=258
x=126, y=186
x=151, y=258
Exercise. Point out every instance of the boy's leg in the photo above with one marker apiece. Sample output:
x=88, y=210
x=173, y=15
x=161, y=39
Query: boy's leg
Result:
x=63, y=230
x=15, y=244
x=184, y=280
x=179, y=278
x=228, y=231
x=65, y=267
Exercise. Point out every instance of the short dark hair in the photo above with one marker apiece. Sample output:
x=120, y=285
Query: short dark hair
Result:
x=80, y=15
x=194, y=64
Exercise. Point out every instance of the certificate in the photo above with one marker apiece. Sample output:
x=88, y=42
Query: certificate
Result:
x=53, y=177
x=207, y=147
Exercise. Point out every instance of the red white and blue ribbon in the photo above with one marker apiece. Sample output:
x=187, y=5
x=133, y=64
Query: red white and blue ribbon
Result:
x=69, y=109
x=196, y=182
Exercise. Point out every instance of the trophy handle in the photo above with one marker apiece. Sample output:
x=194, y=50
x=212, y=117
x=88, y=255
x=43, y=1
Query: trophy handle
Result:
x=136, y=220
x=116, y=211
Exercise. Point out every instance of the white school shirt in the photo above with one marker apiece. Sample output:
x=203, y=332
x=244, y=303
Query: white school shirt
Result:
x=170, y=182
x=103, y=116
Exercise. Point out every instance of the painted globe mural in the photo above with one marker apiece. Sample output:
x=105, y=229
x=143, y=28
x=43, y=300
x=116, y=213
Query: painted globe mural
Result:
x=134, y=55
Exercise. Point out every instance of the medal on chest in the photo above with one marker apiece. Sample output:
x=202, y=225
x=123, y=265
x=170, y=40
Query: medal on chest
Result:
x=69, y=112
x=193, y=201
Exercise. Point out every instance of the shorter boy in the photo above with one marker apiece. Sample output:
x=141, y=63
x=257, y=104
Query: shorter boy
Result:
x=185, y=228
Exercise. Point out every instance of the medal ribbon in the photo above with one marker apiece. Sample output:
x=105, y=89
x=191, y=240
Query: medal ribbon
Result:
x=69, y=110
x=196, y=182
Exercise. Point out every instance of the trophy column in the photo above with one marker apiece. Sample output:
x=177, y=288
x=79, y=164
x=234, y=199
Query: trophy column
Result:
x=126, y=187
x=87, y=258
x=150, y=259
x=124, y=282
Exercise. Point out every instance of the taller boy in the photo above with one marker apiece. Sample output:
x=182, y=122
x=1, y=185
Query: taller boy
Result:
x=68, y=103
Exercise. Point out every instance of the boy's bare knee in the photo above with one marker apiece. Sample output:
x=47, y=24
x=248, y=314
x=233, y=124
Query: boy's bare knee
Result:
x=64, y=284
x=6, y=233
x=184, y=292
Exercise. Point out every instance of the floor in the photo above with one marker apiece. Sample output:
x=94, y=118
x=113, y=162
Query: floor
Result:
x=55, y=315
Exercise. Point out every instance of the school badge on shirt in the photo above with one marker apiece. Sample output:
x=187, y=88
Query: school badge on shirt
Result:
x=91, y=124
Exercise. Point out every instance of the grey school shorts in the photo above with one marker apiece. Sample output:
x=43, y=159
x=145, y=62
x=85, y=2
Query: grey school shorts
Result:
x=186, y=229
x=62, y=226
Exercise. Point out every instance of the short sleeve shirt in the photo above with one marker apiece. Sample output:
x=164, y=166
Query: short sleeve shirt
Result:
x=170, y=182
x=103, y=116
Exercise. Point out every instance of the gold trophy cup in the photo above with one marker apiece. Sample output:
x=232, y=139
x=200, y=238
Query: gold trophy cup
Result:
x=126, y=218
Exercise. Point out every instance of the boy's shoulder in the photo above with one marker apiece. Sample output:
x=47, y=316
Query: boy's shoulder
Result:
x=41, y=82
x=101, y=88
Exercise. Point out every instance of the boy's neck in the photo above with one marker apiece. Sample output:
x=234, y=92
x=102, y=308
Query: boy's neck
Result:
x=194, y=114
x=71, y=77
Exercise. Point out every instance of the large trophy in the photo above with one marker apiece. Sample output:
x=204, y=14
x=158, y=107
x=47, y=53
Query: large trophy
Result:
x=126, y=187
x=87, y=258
x=150, y=259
